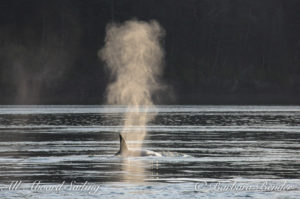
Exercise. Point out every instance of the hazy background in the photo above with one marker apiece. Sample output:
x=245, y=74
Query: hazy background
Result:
x=217, y=51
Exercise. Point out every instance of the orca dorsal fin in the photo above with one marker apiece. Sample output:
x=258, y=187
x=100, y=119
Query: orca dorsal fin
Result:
x=123, y=145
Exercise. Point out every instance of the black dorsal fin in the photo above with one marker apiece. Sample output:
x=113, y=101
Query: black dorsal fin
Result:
x=123, y=145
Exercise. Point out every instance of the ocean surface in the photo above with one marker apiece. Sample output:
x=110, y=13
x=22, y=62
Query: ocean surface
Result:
x=208, y=152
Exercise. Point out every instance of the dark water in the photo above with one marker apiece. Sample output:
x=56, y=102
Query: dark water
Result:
x=201, y=144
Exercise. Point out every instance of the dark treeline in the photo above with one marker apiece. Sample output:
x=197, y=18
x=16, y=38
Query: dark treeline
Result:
x=217, y=51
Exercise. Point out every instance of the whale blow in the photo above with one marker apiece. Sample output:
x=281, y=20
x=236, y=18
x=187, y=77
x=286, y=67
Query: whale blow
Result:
x=133, y=55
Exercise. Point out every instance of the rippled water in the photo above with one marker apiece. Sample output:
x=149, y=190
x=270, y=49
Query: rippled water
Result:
x=214, y=146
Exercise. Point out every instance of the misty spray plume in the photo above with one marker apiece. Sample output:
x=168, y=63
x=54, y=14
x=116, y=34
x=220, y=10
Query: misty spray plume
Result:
x=134, y=56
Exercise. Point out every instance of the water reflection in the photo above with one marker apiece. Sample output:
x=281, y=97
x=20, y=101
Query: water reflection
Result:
x=139, y=170
x=133, y=170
